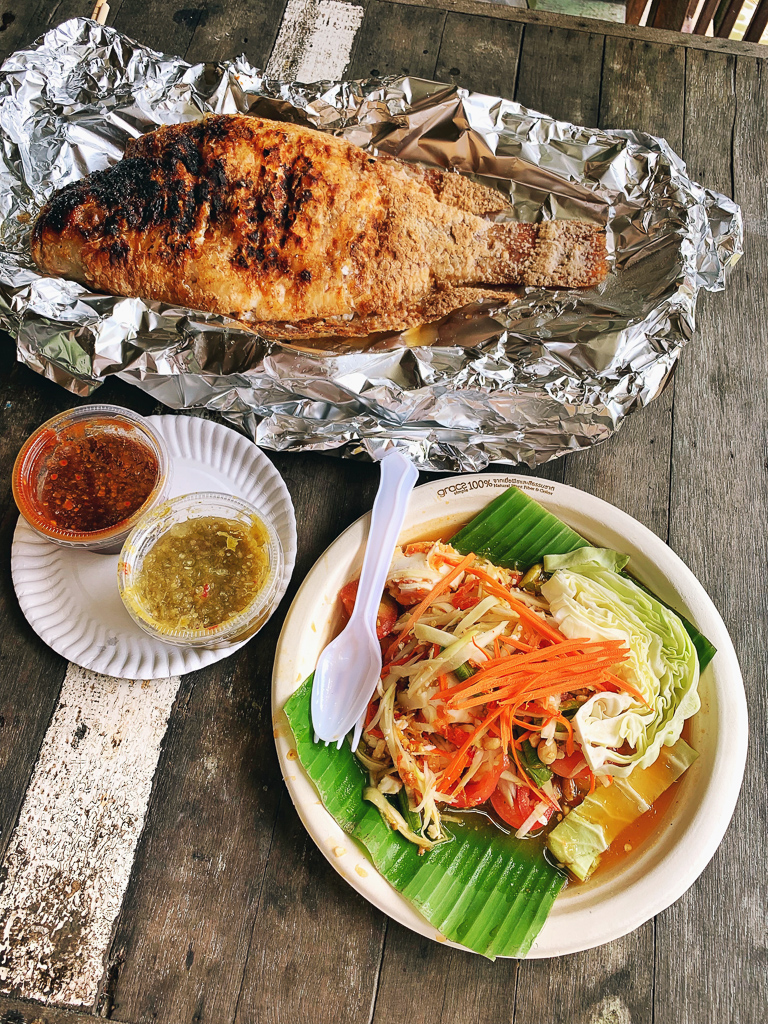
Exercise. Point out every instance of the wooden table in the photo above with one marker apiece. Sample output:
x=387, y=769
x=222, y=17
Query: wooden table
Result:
x=167, y=876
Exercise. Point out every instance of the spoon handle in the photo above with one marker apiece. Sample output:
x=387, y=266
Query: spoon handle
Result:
x=398, y=475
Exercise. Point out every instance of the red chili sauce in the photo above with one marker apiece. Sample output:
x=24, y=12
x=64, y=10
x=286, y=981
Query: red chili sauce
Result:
x=91, y=478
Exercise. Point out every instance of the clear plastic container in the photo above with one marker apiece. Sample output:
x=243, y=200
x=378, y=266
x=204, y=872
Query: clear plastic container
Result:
x=138, y=592
x=86, y=477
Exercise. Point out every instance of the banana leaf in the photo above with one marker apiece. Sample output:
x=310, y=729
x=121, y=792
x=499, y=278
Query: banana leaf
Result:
x=484, y=889
x=515, y=531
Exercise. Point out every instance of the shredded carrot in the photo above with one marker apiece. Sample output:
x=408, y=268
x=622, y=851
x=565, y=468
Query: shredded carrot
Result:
x=517, y=644
x=506, y=728
x=544, y=665
x=522, y=724
x=451, y=773
x=442, y=682
x=512, y=663
x=526, y=614
x=591, y=783
x=439, y=588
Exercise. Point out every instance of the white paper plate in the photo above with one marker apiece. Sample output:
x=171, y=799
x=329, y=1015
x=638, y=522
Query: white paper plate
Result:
x=650, y=878
x=70, y=597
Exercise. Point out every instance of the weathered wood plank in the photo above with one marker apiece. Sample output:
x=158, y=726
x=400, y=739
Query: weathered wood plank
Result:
x=662, y=37
x=159, y=25
x=231, y=27
x=560, y=73
x=22, y=21
x=29, y=686
x=479, y=54
x=316, y=945
x=440, y=984
x=643, y=87
x=17, y=1011
x=718, y=508
x=612, y=984
x=588, y=986
x=68, y=862
x=203, y=882
x=182, y=937
x=62, y=10
x=31, y=673
x=397, y=40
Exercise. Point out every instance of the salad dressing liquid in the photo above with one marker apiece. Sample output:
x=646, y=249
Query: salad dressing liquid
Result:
x=644, y=828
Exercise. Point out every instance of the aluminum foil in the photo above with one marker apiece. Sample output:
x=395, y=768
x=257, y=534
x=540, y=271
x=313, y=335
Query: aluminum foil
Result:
x=549, y=373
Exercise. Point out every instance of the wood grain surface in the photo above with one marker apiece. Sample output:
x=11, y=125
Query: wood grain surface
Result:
x=231, y=913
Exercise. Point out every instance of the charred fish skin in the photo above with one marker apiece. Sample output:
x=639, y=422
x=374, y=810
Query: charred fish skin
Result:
x=272, y=223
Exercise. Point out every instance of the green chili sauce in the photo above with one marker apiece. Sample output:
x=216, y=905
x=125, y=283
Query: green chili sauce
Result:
x=203, y=573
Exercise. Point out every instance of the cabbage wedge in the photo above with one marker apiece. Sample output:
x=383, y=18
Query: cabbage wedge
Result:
x=595, y=603
x=581, y=838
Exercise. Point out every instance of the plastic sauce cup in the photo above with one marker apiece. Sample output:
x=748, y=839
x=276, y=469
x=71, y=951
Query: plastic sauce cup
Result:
x=233, y=629
x=86, y=477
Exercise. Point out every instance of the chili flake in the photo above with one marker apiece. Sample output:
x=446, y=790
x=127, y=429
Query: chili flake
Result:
x=90, y=480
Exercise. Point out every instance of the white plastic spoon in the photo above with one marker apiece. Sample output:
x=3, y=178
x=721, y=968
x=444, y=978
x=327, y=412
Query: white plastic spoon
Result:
x=350, y=666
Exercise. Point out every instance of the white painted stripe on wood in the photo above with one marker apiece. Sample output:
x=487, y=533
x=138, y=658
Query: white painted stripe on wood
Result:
x=315, y=40
x=70, y=857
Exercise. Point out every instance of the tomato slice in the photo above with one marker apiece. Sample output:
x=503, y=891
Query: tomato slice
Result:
x=566, y=767
x=451, y=732
x=466, y=596
x=386, y=616
x=506, y=811
x=478, y=791
x=516, y=814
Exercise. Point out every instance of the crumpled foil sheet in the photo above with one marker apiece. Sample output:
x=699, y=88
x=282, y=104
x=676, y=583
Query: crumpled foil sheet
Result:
x=550, y=373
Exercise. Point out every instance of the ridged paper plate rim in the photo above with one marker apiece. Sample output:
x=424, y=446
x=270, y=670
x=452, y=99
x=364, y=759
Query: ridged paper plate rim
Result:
x=668, y=863
x=43, y=582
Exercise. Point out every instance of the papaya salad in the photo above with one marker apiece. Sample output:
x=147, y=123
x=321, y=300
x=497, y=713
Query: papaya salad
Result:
x=529, y=694
x=530, y=709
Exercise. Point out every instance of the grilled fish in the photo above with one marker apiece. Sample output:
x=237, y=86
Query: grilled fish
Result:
x=291, y=231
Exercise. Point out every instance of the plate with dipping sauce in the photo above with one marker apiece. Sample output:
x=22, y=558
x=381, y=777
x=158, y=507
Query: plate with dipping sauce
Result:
x=70, y=594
